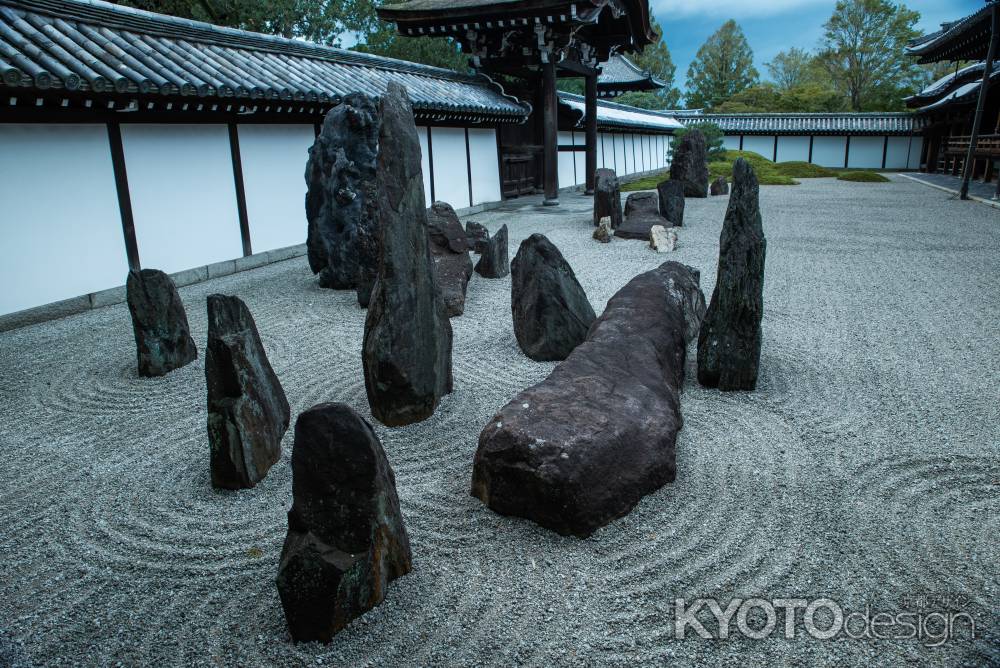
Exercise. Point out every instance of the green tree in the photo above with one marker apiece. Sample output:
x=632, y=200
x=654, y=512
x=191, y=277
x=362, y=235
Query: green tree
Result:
x=437, y=51
x=755, y=99
x=791, y=68
x=656, y=60
x=863, y=51
x=722, y=68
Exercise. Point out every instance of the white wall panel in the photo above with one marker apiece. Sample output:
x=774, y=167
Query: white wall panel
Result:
x=566, y=162
x=731, y=142
x=793, y=149
x=451, y=171
x=624, y=155
x=485, y=165
x=580, y=139
x=829, y=151
x=916, y=148
x=274, y=159
x=866, y=152
x=183, y=196
x=425, y=163
x=608, y=147
x=761, y=145
x=60, y=228
x=897, y=153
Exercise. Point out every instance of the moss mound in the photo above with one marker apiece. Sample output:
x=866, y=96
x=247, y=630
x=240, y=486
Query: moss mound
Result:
x=863, y=177
x=803, y=170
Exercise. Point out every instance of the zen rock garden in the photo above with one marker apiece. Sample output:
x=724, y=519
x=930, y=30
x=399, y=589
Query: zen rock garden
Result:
x=572, y=453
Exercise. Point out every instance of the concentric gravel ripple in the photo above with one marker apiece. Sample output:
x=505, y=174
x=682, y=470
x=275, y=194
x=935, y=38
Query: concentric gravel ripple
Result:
x=865, y=467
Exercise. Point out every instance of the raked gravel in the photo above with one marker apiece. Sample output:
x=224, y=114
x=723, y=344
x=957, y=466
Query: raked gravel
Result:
x=865, y=468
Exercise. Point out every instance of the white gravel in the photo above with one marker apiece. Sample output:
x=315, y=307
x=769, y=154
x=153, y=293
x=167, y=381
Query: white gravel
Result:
x=865, y=468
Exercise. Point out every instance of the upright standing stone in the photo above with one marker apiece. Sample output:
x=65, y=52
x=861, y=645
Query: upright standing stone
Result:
x=719, y=187
x=730, y=337
x=340, y=175
x=690, y=164
x=672, y=201
x=493, y=260
x=551, y=311
x=407, y=344
x=607, y=198
x=450, y=254
x=247, y=409
x=346, y=539
x=162, y=337
x=642, y=212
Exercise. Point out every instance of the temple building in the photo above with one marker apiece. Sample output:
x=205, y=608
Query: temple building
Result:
x=620, y=75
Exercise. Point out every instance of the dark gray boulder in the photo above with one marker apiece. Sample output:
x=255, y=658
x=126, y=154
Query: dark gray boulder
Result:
x=690, y=164
x=730, y=337
x=551, y=311
x=672, y=201
x=346, y=539
x=582, y=447
x=340, y=174
x=247, y=409
x=719, y=187
x=162, y=336
x=607, y=198
x=477, y=236
x=407, y=343
x=493, y=261
x=642, y=212
x=369, y=243
x=450, y=254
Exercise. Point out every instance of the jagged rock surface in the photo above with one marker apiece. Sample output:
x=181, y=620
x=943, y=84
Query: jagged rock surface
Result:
x=607, y=197
x=450, y=254
x=159, y=323
x=719, y=187
x=690, y=164
x=671, y=201
x=642, y=211
x=493, y=261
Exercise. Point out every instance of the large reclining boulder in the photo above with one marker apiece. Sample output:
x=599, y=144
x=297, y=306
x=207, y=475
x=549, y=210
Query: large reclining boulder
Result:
x=642, y=211
x=582, y=447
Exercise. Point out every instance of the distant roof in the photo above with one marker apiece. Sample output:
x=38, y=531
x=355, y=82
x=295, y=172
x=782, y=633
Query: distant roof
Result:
x=611, y=115
x=946, y=89
x=966, y=39
x=813, y=124
x=90, y=46
x=620, y=74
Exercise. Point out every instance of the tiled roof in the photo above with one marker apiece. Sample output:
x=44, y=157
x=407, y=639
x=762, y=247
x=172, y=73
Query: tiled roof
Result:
x=94, y=46
x=620, y=70
x=956, y=87
x=966, y=39
x=831, y=124
x=619, y=116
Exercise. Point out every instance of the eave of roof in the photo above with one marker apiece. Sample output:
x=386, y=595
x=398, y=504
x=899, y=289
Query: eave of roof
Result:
x=620, y=73
x=965, y=39
x=90, y=46
x=619, y=116
x=895, y=123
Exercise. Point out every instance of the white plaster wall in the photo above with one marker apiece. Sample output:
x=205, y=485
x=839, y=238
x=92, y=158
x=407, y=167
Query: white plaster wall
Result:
x=60, y=228
x=580, y=139
x=608, y=152
x=897, y=153
x=274, y=162
x=183, y=196
x=829, y=151
x=485, y=165
x=425, y=163
x=731, y=142
x=866, y=152
x=566, y=161
x=793, y=149
x=624, y=154
x=916, y=147
x=763, y=145
x=451, y=171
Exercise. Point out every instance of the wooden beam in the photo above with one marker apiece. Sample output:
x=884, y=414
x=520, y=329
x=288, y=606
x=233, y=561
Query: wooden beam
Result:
x=980, y=106
x=124, y=198
x=590, y=109
x=550, y=135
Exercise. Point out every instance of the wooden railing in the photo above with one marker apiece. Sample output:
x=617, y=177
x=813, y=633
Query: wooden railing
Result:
x=987, y=146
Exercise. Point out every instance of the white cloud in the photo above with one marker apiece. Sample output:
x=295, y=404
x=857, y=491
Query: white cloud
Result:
x=725, y=9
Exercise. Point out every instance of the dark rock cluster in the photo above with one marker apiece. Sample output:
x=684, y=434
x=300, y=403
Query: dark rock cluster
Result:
x=493, y=261
x=582, y=447
x=407, y=343
x=477, y=236
x=690, y=164
x=450, y=255
x=346, y=539
x=247, y=409
x=642, y=211
x=551, y=312
x=607, y=198
x=730, y=338
x=340, y=176
x=719, y=187
x=162, y=336
x=671, y=195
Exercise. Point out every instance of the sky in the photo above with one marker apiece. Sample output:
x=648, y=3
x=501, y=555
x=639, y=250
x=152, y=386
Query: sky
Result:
x=772, y=25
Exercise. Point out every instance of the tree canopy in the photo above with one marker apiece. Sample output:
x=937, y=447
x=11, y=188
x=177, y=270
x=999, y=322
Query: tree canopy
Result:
x=863, y=51
x=722, y=68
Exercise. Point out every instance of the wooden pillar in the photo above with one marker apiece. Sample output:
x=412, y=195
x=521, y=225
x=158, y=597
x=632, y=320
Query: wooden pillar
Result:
x=241, y=194
x=967, y=168
x=591, y=127
x=550, y=134
x=124, y=195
